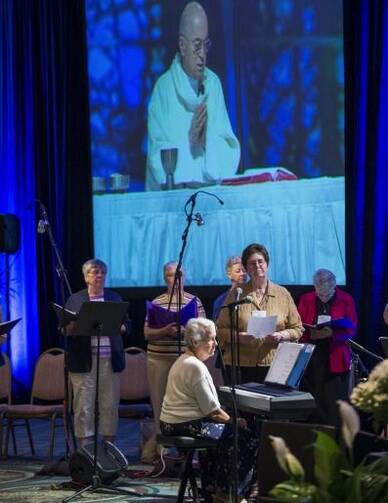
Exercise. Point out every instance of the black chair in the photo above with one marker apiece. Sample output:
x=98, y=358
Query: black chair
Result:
x=188, y=446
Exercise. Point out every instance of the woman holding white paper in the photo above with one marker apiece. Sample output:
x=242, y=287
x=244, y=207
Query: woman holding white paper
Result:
x=256, y=354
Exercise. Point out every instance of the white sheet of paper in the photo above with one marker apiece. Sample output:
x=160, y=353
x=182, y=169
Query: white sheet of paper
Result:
x=261, y=326
x=323, y=318
x=283, y=362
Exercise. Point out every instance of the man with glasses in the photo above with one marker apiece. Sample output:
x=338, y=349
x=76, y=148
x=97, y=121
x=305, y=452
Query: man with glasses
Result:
x=187, y=111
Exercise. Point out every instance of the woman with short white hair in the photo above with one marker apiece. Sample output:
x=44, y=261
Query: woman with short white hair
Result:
x=327, y=375
x=191, y=407
x=82, y=361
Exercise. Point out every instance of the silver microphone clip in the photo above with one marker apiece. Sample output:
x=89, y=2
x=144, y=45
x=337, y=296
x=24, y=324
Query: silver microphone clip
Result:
x=198, y=219
x=42, y=224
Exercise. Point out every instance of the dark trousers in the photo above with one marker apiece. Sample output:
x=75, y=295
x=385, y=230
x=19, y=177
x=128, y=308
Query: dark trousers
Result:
x=325, y=387
x=216, y=464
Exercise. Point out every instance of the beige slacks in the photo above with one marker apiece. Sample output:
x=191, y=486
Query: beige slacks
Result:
x=157, y=373
x=84, y=388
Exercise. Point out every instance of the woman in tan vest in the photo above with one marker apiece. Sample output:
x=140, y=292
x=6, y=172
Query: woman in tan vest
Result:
x=256, y=354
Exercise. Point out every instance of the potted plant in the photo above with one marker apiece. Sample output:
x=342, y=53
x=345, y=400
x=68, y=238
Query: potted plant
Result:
x=337, y=477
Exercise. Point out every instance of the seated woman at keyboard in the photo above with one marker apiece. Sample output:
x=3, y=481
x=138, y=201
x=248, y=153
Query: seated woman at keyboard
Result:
x=256, y=354
x=191, y=408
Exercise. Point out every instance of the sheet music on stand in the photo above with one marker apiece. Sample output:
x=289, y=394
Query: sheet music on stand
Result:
x=289, y=363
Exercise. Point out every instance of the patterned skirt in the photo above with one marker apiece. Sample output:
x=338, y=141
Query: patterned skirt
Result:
x=216, y=465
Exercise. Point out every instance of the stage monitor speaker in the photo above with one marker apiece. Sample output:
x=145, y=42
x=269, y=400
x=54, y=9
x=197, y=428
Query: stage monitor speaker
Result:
x=110, y=463
x=299, y=437
x=9, y=233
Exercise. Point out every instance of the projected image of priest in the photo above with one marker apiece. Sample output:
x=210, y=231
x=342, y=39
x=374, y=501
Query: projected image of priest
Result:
x=163, y=345
x=187, y=111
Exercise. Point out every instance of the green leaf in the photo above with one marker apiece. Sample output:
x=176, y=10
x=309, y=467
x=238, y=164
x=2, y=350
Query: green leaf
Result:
x=290, y=491
x=329, y=459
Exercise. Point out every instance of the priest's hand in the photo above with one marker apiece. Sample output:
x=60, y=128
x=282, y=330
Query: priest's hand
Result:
x=198, y=127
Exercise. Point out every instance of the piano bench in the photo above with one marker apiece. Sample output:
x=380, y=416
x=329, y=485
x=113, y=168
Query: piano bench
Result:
x=187, y=445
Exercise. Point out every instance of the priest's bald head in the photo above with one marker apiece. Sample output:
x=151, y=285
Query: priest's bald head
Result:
x=193, y=40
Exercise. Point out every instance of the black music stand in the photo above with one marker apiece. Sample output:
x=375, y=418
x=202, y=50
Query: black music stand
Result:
x=98, y=319
x=7, y=326
x=384, y=344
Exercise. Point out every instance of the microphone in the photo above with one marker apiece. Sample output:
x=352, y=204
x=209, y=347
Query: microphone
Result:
x=198, y=219
x=246, y=300
x=43, y=223
x=41, y=229
x=201, y=88
x=193, y=197
x=358, y=347
x=238, y=295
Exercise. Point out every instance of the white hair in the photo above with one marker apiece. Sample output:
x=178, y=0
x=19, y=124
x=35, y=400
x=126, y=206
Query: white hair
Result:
x=94, y=263
x=323, y=275
x=198, y=330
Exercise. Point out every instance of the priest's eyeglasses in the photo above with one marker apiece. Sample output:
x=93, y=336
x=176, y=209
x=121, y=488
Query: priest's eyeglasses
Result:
x=198, y=43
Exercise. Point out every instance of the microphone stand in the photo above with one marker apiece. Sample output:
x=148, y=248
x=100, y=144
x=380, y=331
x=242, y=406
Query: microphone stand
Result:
x=232, y=309
x=357, y=347
x=177, y=285
x=357, y=363
x=178, y=272
x=43, y=228
x=237, y=342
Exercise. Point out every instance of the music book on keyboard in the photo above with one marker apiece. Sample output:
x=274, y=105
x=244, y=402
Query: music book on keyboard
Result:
x=286, y=370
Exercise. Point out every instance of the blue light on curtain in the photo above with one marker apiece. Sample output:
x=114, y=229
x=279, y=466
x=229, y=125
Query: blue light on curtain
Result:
x=367, y=160
x=17, y=186
x=380, y=250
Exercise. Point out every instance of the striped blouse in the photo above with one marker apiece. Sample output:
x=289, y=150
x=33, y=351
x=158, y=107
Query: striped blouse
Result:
x=168, y=346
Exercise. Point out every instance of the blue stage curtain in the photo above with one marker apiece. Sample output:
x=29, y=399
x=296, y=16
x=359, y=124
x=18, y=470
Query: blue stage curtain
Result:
x=44, y=131
x=366, y=58
x=17, y=186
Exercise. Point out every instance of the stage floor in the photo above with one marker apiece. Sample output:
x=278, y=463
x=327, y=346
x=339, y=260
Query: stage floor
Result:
x=20, y=480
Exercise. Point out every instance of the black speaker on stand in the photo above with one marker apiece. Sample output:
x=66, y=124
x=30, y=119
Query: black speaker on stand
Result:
x=9, y=233
x=9, y=244
x=110, y=463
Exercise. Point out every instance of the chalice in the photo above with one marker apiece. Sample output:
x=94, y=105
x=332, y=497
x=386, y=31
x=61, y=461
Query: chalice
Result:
x=169, y=158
